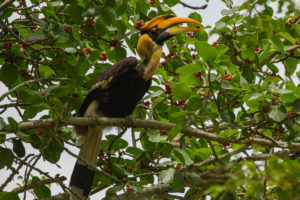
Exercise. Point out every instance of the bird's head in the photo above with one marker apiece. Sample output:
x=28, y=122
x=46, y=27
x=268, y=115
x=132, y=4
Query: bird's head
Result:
x=158, y=30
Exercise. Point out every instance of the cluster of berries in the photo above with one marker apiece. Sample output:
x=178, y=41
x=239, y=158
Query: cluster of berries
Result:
x=168, y=88
x=139, y=24
x=103, y=56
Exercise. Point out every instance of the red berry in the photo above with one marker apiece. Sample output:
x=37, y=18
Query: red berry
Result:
x=114, y=43
x=81, y=53
x=67, y=30
x=167, y=84
x=170, y=55
x=7, y=45
x=75, y=95
x=174, y=46
x=289, y=113
x=194, y=56
x=87, y=50
x=163, y=63
x=19, y=134
x=192, y=36
x=250, y=142
x=32, y=27
x=198, y=74
x=197, y=26
x=128, y=188
x=120, y=153
x=147, y=103
x=129, y=169
x=296, y=43
x=229, y=78
x=152, y=2
x=176, y=140
x=44, y=93
x=237, y=103
x=203, y=94
x=163, y=131
x=188, y=33
x=235, y=29
x=177, y=167
x=290, y=20
x=90, y=22
x=272, y=75
x=297, y=17
x=100, y=157
x=215, y=44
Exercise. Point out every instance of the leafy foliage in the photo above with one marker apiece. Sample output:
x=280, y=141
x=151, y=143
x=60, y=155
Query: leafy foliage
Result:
x=244, y=88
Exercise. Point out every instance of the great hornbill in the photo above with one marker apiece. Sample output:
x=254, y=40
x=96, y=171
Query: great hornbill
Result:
x=117, y=92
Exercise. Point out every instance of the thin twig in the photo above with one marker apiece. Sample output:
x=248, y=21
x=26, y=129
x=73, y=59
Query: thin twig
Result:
x=193, y=7
x=29, y=82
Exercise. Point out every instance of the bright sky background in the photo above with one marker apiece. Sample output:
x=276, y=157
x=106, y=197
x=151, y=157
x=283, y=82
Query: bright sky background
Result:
x=209, y=17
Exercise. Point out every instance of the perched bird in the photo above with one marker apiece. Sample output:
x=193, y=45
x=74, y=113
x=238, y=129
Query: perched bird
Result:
x=117, y=92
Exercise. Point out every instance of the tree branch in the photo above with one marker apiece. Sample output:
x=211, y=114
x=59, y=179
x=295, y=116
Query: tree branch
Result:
x=5, y=4
x=29, y=82
x=40, y=183
x=193, y=7
x=120, y=122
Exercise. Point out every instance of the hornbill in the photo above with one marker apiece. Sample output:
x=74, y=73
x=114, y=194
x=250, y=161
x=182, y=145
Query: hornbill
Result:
x=117, y=92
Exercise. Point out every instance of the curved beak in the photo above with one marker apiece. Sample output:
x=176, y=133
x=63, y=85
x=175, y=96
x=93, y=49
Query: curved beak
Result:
x=165, y=23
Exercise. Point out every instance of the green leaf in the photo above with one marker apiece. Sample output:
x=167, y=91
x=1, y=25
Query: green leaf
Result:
x=41, y=191
x=227, y=86
x=9, y=73
x=9, y=196
x=171, y=3
x=206, y=51
x=34, y=37
x=182, y=91
x=220, y=25
x=13, y=124
x=183, y=156
x=71, y=50
x=189, y=69
x=291, y=65
x=195, y=16
x=134, y=151
x=6, y=157
x=18, y=147
x=176, y=129
x=297, y=106
x=227, y=117
x=272, y=67
x=277, y=113
x=92, y=10
x=113, y=190
x=167, y=176
x=288, y=37
x=221, y=49
x=75, y=31
x=277, y=43
x=155, y=136
x=53, y=151
x=194, y=103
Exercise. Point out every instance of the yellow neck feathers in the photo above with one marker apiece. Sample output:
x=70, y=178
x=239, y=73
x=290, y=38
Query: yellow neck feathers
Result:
x=151, y=52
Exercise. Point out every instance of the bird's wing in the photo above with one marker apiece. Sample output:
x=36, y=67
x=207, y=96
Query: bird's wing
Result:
x=106, y=80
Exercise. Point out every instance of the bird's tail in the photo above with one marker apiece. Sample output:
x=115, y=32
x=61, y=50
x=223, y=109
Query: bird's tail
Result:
x=83, y=175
